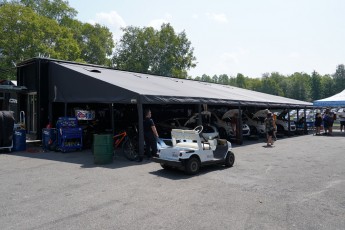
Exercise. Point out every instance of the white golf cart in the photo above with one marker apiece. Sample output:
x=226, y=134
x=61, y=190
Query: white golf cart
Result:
x=190, y=150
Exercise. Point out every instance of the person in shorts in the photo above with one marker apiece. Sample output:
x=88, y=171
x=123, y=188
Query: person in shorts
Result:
x=341, y=116
x=318, y=122
x=270, y=128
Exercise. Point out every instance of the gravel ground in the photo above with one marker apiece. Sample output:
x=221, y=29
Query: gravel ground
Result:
x=298, y=184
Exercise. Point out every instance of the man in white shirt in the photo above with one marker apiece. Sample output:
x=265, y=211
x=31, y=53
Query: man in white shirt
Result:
x=342, y=120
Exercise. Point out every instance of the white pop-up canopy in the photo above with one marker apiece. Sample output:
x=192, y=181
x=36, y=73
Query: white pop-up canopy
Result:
x=336, y=100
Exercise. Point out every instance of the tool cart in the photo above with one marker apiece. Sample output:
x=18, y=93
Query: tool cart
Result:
x=69, y=134
x=49, y=139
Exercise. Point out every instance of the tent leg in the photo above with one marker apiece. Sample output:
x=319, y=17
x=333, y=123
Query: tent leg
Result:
x=112, y=118
x=305, y=122
x=199, y=115
x=289, y=126
x=239, y=133
x=141, y=129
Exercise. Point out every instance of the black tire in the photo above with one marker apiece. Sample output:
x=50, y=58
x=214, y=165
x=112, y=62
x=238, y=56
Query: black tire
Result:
x=129, y=150
x=253, y=130
x=230, y=159
x=192, y=166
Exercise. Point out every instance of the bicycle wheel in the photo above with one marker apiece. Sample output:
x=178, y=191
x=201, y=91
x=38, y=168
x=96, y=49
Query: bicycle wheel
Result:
x=129, y=150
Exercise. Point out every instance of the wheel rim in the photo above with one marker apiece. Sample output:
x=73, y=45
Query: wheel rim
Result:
x=130, y=152
x=231, y=159
x=194, y=166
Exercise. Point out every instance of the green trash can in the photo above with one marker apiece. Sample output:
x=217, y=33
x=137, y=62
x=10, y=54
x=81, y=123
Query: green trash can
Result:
x=102, y=148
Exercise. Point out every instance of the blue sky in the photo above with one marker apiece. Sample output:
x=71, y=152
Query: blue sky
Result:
x=251, y=37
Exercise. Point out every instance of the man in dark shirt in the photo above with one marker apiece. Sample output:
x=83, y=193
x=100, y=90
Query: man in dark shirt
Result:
x=150, y=135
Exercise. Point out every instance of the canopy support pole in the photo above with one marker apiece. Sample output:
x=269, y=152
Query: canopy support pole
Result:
x=289, y=126
x=305, y=122
x=199, y=115
x=141, y=128
x=239, y=131
x=112, y=118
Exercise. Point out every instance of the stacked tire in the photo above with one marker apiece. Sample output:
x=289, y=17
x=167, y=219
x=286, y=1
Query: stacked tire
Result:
x=6, y=128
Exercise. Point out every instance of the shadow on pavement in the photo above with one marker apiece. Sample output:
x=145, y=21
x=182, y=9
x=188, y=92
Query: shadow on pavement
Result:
x=83, y=158
x=177, y=174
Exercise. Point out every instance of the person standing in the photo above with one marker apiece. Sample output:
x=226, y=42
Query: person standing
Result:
x=342, y=120
x=327, y=122
x=317, y=123
x=150, y=136
x=269, y=123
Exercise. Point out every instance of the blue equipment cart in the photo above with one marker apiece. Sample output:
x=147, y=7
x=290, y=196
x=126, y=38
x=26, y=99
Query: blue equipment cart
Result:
x=49, y=139
x=69, y=134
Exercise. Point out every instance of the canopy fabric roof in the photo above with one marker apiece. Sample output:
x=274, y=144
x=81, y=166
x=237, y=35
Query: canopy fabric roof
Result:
x=71, y=82
x=336, y=100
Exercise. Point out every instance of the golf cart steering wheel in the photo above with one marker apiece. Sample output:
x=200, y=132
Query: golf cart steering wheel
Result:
x=199, y=128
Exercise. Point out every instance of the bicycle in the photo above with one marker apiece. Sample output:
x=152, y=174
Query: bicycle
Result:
x=128, y=144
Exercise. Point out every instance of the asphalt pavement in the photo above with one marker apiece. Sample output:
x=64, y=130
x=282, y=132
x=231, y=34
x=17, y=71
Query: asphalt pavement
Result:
x=297, y=184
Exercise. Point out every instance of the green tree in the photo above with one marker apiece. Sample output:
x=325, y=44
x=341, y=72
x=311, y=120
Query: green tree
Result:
x=206, y=78
x=53, y=9
x=339, y=78
x=46, y=28
x=223, y=79
x=97, y=44
x=256, y=84
x=215, y=79
x=269, y=85
x=161, y=52
x=281, y=84
x=316, y=86
x=299, y=87
x=328, y=87
x=241, y=81
x=26, y=34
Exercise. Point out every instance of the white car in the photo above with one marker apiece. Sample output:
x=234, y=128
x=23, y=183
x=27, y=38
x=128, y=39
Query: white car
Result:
x=190, y=151
x=224, y=127
x=281, y=122
x=255, y=124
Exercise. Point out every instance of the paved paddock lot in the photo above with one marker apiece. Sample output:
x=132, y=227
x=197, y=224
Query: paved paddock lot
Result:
x=298, y=184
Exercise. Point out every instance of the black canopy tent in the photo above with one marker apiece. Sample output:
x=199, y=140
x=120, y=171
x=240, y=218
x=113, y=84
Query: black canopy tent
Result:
x=78, y=83
x=70, y=82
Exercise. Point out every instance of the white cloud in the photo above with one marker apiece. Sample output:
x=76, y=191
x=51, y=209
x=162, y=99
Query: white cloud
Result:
x=195, y=16
x=112, y=19
x=156, y=23
x=221, y=18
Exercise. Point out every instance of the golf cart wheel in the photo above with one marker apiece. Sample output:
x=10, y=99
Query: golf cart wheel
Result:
x=192, y=166
x=230, y=159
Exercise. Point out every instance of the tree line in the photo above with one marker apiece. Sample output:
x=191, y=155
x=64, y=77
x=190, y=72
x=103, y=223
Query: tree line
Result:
x=49, y=28
x=299, y=86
